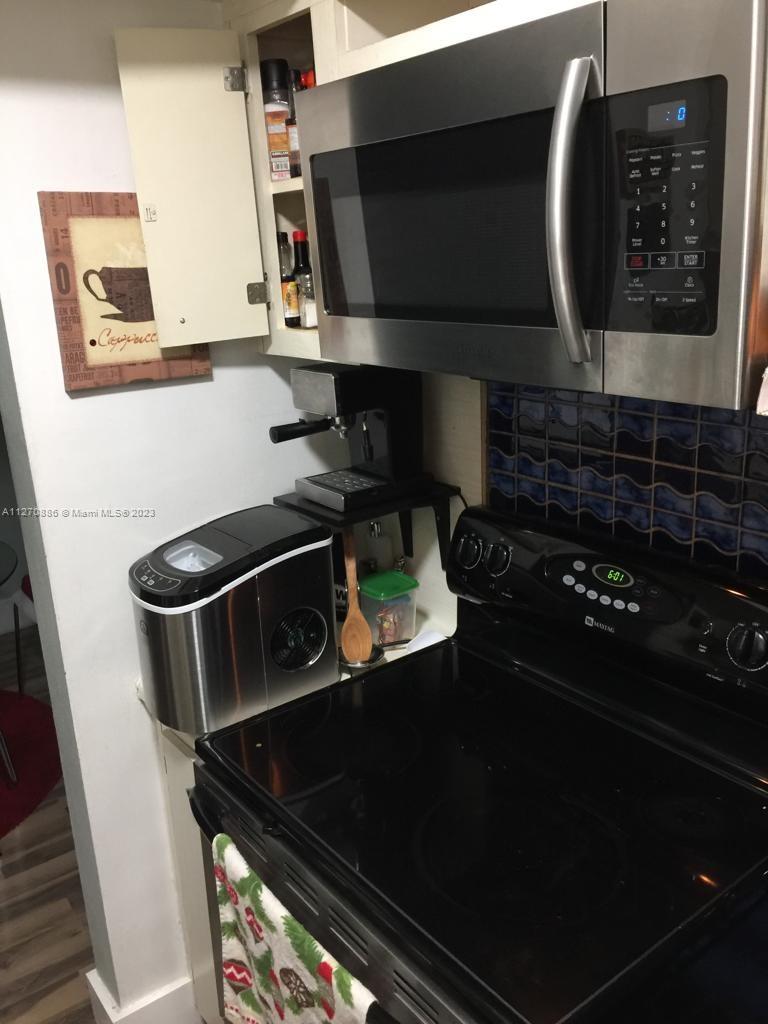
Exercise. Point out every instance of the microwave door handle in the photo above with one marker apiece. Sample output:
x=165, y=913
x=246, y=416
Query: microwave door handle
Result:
x=573, y=88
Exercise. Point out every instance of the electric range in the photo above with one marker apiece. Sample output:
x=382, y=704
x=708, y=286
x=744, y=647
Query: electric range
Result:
x=560, y=813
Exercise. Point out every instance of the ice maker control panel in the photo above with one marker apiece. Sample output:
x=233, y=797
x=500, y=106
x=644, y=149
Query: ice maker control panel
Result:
x=153, y=580
x=666, y=155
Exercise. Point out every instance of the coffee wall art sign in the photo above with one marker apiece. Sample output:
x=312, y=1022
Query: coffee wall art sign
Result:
x=101, y=294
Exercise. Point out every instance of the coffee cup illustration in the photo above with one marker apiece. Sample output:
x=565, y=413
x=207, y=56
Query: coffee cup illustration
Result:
x=125, y=288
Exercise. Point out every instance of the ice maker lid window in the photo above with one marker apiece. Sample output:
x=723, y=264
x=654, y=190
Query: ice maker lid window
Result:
x=190, y=556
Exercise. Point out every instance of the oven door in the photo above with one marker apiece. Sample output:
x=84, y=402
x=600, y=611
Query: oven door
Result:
x=455, y=207
x=369, y=951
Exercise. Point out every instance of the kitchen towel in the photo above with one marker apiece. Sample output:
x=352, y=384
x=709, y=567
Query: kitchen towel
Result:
x=273, y=969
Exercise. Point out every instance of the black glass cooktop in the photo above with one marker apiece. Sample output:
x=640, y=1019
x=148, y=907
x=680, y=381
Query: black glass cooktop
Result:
x=545, y=848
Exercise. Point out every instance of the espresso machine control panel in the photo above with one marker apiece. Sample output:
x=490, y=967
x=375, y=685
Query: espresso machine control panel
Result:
x=666, y=154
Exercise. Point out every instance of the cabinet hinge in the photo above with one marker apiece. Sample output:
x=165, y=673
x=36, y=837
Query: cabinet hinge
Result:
x=235, y=79
x=257, y=293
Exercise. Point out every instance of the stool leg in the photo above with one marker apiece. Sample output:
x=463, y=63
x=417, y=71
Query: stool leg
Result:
x=17, y=640
x=5, y=757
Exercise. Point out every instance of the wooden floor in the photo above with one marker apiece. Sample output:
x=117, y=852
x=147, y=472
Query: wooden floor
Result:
x=44, y=943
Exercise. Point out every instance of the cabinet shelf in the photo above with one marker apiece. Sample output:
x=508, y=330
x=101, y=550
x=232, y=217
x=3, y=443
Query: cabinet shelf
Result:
x=306, y=332
x=301, y=342
x=290, y=185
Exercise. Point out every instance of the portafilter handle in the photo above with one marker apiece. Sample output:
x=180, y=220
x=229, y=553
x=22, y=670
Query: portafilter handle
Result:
x=303, y=428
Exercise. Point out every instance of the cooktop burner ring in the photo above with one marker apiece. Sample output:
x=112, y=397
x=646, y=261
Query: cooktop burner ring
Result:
x=691, y=818
x=535, y=877
x=362, y=751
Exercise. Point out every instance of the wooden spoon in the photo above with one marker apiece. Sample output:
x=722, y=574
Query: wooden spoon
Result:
x=356, y=639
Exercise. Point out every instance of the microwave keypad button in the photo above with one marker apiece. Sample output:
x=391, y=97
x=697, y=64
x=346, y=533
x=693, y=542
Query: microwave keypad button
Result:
x=691, y=259
x=698, y=158
x=635, y=299
x=636, y=260
x=663, y=260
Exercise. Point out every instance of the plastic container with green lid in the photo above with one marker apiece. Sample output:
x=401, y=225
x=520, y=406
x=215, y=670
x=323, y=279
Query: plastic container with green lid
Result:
x=388, y=602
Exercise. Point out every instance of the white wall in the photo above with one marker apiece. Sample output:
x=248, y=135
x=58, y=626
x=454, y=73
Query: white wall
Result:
x=191, y=451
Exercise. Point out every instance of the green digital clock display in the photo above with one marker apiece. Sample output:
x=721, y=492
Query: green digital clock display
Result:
x=613, y=575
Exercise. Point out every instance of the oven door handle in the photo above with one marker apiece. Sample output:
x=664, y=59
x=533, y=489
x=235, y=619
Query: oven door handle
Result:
x=207, y=818
x=570, y=99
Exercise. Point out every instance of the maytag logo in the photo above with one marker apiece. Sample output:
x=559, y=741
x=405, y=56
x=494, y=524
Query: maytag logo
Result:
x=594, y=624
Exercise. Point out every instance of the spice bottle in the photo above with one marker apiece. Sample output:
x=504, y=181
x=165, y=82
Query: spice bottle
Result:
x=307, y=303
x=302, y=273
x=294, y=154
x=276, y=95
x=288, y=282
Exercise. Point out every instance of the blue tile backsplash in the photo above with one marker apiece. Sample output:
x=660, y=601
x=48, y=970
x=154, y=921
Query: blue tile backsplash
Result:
x=682, y=479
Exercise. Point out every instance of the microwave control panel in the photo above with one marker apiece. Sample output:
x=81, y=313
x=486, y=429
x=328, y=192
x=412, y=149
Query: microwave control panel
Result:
x=666, y=156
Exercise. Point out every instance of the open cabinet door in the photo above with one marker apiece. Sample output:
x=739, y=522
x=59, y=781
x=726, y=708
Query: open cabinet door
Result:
x=192, y=163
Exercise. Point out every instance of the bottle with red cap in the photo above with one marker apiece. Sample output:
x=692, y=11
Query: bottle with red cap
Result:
x=302, y=274
x=287, y=282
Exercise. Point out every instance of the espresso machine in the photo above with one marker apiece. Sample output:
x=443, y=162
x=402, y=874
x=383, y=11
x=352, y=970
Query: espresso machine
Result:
x=378, y=412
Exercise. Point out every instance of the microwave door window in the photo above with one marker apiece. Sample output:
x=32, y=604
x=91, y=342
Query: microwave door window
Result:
x=344, y=255
x=446, y=226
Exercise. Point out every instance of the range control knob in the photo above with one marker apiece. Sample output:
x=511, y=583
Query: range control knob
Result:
x=497, y=559
x=469, y=551
x=747, y=647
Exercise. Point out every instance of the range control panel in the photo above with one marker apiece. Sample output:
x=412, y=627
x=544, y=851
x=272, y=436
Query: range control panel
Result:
x=666, y=157
x=605, y=584
x=717, y=625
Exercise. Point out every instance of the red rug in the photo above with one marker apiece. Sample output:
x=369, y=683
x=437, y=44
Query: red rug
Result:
x=27, y=725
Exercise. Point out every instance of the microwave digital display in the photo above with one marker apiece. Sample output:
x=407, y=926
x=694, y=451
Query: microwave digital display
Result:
x=663, y=116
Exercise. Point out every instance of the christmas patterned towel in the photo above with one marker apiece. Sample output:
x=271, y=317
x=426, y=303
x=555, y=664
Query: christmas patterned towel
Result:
x=273, y=969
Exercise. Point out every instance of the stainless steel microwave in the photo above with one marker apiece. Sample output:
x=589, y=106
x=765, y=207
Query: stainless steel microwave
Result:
x=574, y=202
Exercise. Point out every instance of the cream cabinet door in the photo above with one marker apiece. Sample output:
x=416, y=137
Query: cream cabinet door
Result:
x=192, y=164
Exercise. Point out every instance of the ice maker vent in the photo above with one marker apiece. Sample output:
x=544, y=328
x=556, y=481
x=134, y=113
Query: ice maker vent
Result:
x=414, y=1000
x=344, y=930
x=296, y=881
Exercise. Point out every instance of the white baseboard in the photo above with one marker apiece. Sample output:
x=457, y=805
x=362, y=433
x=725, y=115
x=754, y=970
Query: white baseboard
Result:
x=174, y=1002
